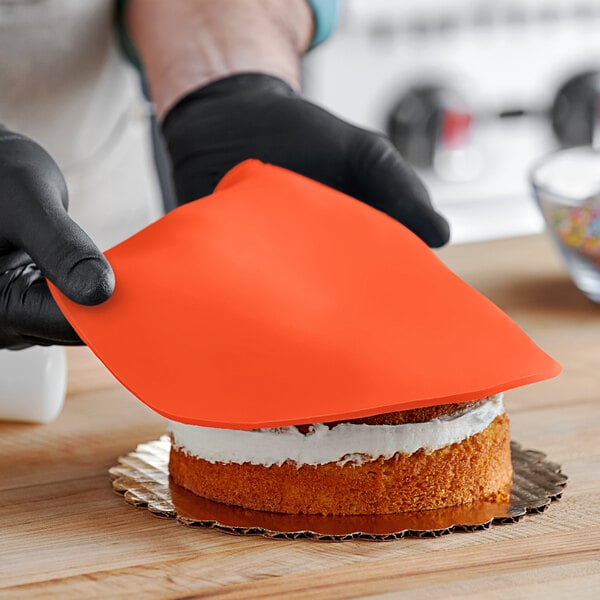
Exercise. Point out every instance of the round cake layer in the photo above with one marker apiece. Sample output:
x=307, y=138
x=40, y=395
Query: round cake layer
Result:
x=476, y=468
x=347, y=442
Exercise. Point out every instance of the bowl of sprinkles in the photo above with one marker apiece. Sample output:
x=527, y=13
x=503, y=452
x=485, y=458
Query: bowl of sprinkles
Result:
x=566, y=186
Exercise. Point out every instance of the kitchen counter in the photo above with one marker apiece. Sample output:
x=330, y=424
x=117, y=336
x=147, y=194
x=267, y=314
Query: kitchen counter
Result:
x=65, y=534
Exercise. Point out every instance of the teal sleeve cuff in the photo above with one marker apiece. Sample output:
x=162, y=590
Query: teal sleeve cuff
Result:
x=326, y=16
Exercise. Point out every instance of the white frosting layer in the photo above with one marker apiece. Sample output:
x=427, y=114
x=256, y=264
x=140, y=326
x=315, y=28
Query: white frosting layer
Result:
x=343, y=443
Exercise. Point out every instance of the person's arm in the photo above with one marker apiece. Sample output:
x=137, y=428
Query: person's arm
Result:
x=37, y=240
x=187, y=44
x=224, y=75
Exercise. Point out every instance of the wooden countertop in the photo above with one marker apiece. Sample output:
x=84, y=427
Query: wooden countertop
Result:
x=65, y=534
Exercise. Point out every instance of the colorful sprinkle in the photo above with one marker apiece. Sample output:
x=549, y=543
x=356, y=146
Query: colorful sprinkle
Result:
x=578, y=227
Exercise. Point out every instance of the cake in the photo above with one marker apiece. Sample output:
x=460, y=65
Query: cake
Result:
x=412, y=460
x=317, y=309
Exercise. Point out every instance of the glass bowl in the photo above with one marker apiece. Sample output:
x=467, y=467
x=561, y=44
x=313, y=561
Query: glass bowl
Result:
x=566, y=186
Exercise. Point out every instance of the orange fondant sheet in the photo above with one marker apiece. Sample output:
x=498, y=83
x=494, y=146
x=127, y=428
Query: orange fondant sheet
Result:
x=279, y=301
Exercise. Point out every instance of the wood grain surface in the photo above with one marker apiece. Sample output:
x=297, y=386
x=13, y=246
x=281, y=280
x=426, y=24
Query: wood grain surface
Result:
x=65, y=534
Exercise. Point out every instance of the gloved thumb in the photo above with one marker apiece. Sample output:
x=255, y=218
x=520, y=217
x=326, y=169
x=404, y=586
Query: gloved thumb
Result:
x=35, y=220
x=66, y=255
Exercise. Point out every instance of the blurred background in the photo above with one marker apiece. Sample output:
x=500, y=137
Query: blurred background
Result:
x=472, y=92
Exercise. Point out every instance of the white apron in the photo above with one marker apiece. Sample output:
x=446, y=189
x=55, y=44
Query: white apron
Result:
x=64, y=82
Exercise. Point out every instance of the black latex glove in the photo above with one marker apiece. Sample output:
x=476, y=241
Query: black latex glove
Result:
x=35, y=231
x=259, y=116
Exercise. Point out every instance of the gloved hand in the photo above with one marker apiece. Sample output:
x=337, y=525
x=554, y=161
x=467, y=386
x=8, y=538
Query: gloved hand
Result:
x=259, y=116
x=37, y=239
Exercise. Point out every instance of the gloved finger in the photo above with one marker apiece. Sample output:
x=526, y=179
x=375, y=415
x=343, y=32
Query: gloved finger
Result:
x=48, y=324
x=383, y=180
x=66, y=255
x=30, y=313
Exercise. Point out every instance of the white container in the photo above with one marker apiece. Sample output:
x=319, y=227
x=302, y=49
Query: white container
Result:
x=33, y=383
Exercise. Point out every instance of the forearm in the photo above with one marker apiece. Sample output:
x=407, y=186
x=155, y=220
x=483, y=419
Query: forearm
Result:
x=189, y=43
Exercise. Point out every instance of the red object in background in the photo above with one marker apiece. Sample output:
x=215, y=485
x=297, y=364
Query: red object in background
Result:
x=455, y=129
x=277, y=300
